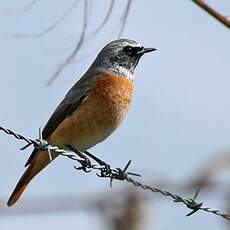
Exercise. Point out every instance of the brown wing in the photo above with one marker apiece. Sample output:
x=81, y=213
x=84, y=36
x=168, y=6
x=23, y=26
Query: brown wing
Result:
x=68, y=105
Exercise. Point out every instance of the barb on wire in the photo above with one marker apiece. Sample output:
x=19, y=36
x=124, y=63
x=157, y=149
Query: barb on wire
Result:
x=85, y=159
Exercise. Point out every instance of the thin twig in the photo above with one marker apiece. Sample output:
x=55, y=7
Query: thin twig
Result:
x=29, y=6
x=48, y=29
x=223, y=19
x=107, y=16
x=24, y=10
x=125, y=17
x=76, y=49
x=113, y=174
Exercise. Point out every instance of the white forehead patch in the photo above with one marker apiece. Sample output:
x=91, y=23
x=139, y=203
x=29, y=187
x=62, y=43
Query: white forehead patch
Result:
x=133, y=44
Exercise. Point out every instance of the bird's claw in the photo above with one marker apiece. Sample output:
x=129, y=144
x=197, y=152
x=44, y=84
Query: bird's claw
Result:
x=82, y=168
x=85, y=165
x=107, y=167
x=105, y=170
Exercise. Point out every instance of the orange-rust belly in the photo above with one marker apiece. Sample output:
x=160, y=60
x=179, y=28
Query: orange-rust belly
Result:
x=98, y=116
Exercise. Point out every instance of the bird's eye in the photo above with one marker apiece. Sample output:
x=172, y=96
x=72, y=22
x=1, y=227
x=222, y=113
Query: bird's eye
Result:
x=129, y=50
x=132, y=51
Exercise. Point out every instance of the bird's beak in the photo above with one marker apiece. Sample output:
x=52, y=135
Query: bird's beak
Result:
x=146, y=50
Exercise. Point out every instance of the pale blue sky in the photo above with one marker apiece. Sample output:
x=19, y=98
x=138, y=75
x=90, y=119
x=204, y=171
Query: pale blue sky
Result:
x=179, y=115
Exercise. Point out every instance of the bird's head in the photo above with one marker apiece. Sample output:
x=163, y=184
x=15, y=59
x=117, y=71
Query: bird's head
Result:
x=121, y=56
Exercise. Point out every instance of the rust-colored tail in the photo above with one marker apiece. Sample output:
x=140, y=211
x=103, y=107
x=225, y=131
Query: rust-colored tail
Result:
x=20, y=187
x=40, y=161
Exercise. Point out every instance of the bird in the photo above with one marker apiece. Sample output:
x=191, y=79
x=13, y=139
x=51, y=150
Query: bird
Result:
x=92, y=109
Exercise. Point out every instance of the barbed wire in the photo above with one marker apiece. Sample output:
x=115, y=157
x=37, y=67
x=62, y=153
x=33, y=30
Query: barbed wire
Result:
x=85, y=159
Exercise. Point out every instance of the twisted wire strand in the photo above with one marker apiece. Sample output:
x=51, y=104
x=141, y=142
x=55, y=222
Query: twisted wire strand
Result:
x=190, y=203
x=112, y=173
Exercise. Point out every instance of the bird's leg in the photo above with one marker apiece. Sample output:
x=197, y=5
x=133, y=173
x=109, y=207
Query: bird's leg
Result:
x=84, y=161
x=99, y=161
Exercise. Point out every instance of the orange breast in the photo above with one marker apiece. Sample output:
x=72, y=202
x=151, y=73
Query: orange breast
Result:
x=98, y=116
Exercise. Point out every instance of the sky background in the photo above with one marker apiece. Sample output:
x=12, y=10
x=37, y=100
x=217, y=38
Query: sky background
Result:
x=179, y=116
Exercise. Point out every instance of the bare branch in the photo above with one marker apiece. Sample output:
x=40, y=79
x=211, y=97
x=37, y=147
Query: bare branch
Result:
x=217, y=164
x=24, y=10
x=124, y=17
x=223, y=19
x=77, y=48
x=29, y=6
x=50, y=28
x=107, y=16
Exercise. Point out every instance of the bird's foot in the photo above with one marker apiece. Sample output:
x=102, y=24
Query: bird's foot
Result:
x=85, y=162
x=118, y=173
x=105, y=167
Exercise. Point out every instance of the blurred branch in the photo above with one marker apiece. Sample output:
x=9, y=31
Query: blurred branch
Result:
x=130, y=215
x=49, y=204
x=212, y=167
x=24, y=10
x=124, y=17
x=70, y=58
x=85, y=159
x=29, y=6
x=50, y=28
x=107, y=16
x=223, y=19
x=77, y=47
x=84, y=202
x=101, y=201
x=86, y=13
